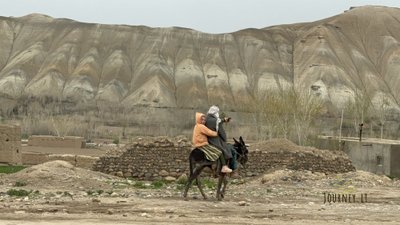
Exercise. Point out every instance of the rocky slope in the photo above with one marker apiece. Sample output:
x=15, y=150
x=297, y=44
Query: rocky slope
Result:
x=355, y=52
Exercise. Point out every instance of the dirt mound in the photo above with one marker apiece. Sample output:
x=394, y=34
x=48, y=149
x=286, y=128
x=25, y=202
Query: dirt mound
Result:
x=286, y=175
x=350, y=179
x=361, y=178
x=283, y=154
x=277, y=144
x=284, y=145
x=60, y=175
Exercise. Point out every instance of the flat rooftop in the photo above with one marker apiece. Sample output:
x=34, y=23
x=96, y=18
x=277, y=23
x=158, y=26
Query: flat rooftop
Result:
x=364, y=140
x=63, y=150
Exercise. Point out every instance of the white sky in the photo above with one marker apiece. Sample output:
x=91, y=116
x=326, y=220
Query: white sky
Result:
x=211, y=16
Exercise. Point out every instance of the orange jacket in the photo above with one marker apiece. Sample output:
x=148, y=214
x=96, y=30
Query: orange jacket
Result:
x=200, y=132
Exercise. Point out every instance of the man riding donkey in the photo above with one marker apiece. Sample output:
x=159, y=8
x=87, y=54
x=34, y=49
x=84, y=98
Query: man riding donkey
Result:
x=206, y=155
x=200, y=135
x=215, y=123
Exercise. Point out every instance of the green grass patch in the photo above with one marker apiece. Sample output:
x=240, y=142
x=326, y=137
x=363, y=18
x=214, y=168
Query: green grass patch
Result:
x=182, y=180
x=19, y=183
x=11, y=169
x=116, y=140
x=140, y=184
x=95, y=192
x=180, y=187
x=19, y=192
x=34, y=193
x=207, y=182
x=157, y=184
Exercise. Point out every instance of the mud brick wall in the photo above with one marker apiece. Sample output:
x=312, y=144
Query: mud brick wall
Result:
x=76, y=160
x=86, y=162
x=33, y=158
x=10, y=144
x=161, y=159
x=53, y=141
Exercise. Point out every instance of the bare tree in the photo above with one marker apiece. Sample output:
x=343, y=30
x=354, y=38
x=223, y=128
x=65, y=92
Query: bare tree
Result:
x=281, y=112
x=381, y=110
x=307, y=106
x=63, y=125
x=358, y=108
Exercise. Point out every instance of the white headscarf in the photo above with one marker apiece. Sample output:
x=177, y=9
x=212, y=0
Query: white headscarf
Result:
x=214, y=110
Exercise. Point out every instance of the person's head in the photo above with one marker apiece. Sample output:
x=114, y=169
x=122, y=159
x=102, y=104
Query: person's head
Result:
x=214, y=110
x=203, y=119
x=200, y=118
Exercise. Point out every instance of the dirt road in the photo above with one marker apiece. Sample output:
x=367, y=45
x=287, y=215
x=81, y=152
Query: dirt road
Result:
x=281, y=197
x=133, y=210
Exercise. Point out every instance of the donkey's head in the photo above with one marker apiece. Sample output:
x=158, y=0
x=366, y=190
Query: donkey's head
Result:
x=242, y=151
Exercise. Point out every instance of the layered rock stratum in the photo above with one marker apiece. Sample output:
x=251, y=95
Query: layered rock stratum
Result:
x=357, y=51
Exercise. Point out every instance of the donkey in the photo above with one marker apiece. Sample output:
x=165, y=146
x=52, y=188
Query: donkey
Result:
x=198, y=161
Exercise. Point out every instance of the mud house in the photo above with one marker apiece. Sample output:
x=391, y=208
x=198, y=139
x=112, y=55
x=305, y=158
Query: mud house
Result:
x=380, y=156
x=12, y=152
x=10, y=144
x=53, y=141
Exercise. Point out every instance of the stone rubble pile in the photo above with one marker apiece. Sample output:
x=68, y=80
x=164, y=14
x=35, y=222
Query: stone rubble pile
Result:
x=281, y=153
x=165, y=157
x=148, y=158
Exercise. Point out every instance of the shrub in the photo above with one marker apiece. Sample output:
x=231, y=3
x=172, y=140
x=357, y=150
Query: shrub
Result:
x=19, y=192
x=116, y=140
x=180, y=187
x=140, y=184
x=209, y=183
x=182, y=180
x=157, y=183
x=19, y=184
x=94, y=192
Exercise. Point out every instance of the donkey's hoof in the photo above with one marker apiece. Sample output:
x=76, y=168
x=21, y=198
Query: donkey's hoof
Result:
x=185, y=199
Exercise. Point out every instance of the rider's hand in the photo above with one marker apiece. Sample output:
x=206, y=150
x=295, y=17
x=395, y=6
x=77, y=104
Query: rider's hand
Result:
x=227, y=119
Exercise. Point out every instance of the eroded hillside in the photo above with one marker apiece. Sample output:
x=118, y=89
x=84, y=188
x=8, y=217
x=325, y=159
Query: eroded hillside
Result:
x=338, y=57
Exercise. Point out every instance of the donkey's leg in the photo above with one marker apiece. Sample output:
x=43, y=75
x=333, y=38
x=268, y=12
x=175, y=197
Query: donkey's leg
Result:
x=220, y=179
x=188, y=184
x=199, y=184
x=195, y=174
x=225, y=183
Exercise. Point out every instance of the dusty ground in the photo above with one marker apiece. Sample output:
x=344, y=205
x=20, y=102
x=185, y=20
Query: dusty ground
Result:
x=63, y=194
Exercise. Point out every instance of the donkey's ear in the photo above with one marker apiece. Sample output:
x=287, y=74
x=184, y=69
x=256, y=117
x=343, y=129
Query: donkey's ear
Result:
x=236, y=141
x=241, y=140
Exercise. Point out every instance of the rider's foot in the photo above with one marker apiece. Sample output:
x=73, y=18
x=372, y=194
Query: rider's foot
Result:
x=225, y=169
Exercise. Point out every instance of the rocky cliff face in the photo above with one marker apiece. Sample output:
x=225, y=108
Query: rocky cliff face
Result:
x=357, y=51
